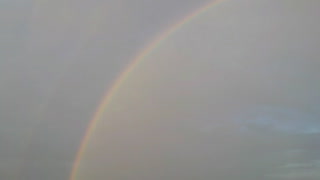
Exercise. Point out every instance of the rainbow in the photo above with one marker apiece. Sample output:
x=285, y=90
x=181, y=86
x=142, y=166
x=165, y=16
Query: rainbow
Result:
x=107, y=98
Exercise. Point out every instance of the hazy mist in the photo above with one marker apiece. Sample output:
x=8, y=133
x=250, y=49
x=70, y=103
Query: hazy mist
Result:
x=233, y=94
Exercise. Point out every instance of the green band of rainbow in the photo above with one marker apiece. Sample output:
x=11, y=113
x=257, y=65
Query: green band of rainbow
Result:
x=123, y=76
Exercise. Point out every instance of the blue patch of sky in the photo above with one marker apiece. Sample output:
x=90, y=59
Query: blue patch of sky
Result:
x=280, y=119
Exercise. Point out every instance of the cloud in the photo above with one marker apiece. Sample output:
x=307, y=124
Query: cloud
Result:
x=314, y=174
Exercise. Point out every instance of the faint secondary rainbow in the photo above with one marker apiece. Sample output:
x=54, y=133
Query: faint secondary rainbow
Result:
x=123, y=76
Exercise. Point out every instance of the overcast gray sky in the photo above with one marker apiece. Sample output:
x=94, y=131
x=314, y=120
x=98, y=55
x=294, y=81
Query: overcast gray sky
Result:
x=234, y=94
x=57, y=60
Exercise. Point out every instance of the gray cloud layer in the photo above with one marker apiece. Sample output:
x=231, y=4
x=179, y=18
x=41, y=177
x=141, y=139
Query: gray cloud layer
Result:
x=57, y=59
x=232, y=95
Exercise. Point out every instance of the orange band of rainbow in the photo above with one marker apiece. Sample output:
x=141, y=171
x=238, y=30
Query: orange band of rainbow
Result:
x=121, y=78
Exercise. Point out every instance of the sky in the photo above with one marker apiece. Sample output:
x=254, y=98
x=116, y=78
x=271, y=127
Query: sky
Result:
x=57, y=60
x=232, y=94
